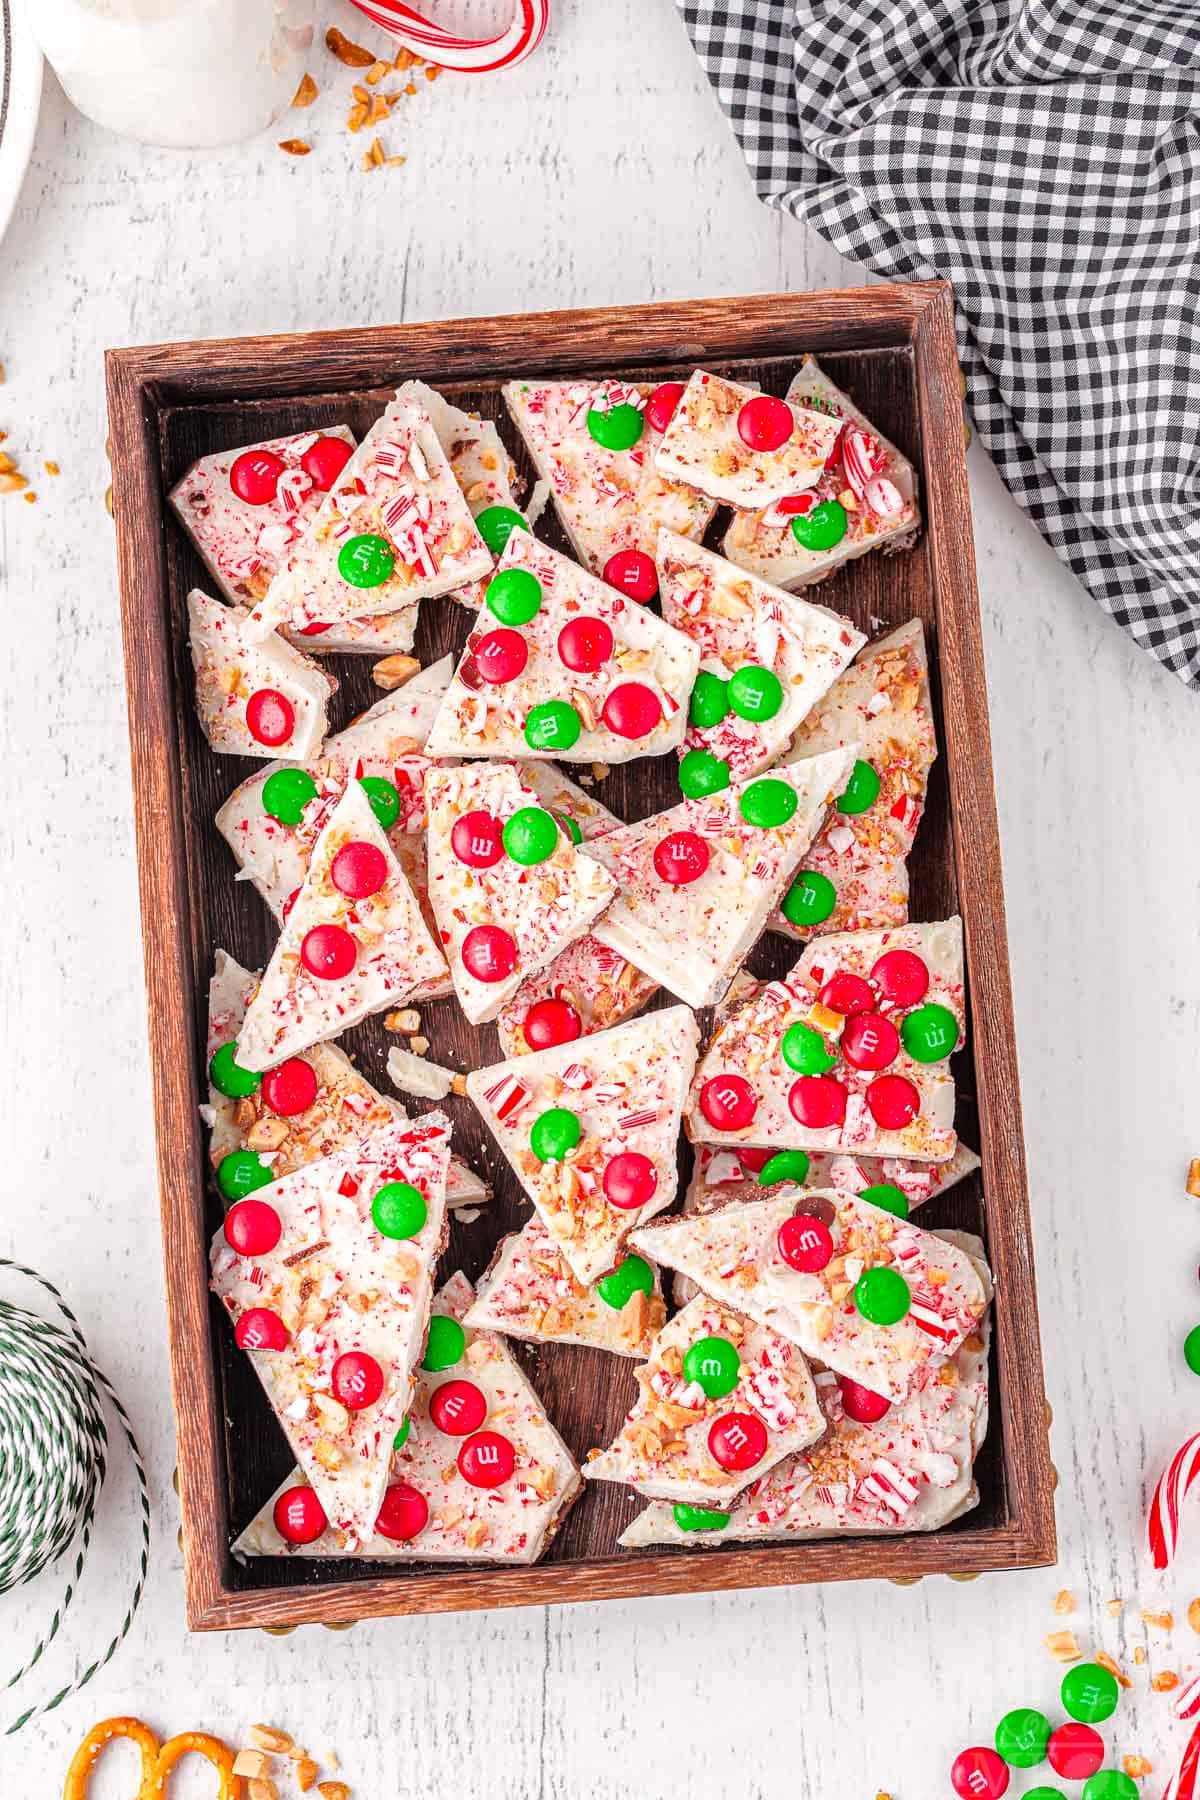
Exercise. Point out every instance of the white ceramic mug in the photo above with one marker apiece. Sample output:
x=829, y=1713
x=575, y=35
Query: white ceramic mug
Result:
x=183, y=73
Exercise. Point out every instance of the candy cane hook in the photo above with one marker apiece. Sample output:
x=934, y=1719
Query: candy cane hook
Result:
x=477, y=56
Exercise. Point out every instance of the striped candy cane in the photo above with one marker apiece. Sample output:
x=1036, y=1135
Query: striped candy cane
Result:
x=475, y=56
x=1162, y=1525
x=1182, y=1785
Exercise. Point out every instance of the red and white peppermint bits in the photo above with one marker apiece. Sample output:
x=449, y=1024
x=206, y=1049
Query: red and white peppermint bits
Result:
x=471, y=56
x=629, y=1181
x=458, y=1408
x=634, y=573
x=329, y=952
x=765, y=423
x=252, y=1228
x=359, y=870
x=781, y=512
x=979, y=1774
x=737, y=1441
x=860, y=459
x=662, y=404
x=324, y=461
x=291, y=1088
x=550, y=1022
x=261, y=1329
x=893, y=1102
x=680, y=858
x=805, y=1243
x=818, y=1102
x=299, y=1516
x=486, y=1460
x=501, y=655
x=585, y=645
x=404, y=1513
x=1172, y=1488
x=477, y=839
x=870, y=1041
x=860, y=1403
x=356, y=1380
x=270, y=717
x=254, y=476
x=884, y=497
x=632, y=710
x=847, y=994
x=728, y=1102
x=489, y=953
x=901, y=977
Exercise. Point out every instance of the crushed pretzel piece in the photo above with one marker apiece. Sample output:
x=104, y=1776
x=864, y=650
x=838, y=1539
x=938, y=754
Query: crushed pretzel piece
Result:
x=376, y=72
x=295, y=146
x=1165, y=1621
x=1137, y=1767
x=1064, y=1601
x=350, y=55
x=1114, y=1668
x=1139, y=1655
x=51, y=468
x=1, y=374
x=333, y=1790
x=1193, y=1178
x=29, y=495
x=11, y=482
x=262, y=1789
x=252, y=1763
x=600, y=771
x=1193, y=1614
x=265, y=1737
x=1113, y=1607
x=108, y=500
x=1164, y=1681
x=432, y=71
x=391, y=672
x=459, y=1084
x=1063, y=1646
x=411, y=88
x=306, y=1773
x=306, y=93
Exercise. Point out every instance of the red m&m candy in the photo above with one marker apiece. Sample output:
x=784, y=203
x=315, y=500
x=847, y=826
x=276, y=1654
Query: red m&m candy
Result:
x=550, y=1022
x=817, y=1102
x=979, y=1774
x=477, y=840
x=805, y=1243
x=359, y=870
x=486, y=1460
x=291, y=1088
x=261, y=1329
x=404, y=1513
x=489, y=953
x=860, y=1403
x=329, y=952
x=629, y=1180
x=253, y=1228
x=754, y=1160
x=869, y=1041
x=356, y=1380
x=660, y=407
x=325, y=460
x=680, y=858
x=765, y=423
x=254, y=476
x=847, y=994
x=901, y=977
x=458, y=1408
x=634, y=573
x=270, y=717
x=728, y=1102
x=1075, y=1751
x=299, y=1516
x=632, y=710
x=585, y=645
x=893, y=1102
x=738, y=1441
x=501, y=655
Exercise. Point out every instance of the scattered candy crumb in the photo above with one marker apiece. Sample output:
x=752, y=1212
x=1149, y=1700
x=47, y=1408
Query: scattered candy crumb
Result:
x=1164, y=1681
x=306, y=93
x=1106, y=1662
x=1163, y=1621
x=1139, y=1655
x=1193, y=1614
x=1064, y=1601
x=352, y=55
x=1113, y=1608
x=295, y=146
x=1193, y=1178
x=52, y=468
x=1137, y=1767
x=1063, y=1646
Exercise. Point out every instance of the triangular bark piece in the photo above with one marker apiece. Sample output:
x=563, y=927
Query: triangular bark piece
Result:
x=529, y=1292
x=710, y=443
x=253, y=698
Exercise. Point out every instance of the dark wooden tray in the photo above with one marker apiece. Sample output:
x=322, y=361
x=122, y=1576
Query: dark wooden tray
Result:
x=893, y=349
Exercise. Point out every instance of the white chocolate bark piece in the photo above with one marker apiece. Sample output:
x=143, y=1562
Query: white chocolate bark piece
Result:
x=850, y=1052
x=716, y=1388
x=703, y=446
x=474, y=449
x=561, y=796
x=775, y=656
x=606, y=500
x=909, y=1471
x=345, y=1108
x=598, y=984
x=395, y=520
x=882, y=706
x=253, y=698
x=734, y=1254
x=500, y=919
x=339, y=1288
x=692, y=936
x=529, y=1292
x=342, y=954
x=513, y=1522
x=868, y=478
x=644, y=679
x=624, y=1089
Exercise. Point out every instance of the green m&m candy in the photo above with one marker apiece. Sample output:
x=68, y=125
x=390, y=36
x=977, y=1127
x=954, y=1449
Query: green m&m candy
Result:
x=892, y=1199
x=710, y=701
x=633, y=1276
x=821, y=528
x=445, y=1344
x=399, y=1210
x=401, y=1437
x=240, y=1173
x=929, y=1032
x=569, y=827
x=365, y=561
x=496, y=524
x=810, y=899
x=615, y=427
x=699, y=1518
x=768, y=802
x=1022, y=1736
x=554, y=725
x=554, y=1134
x=1044, y=1793
x=755, y=692
x=514, y=596
x=1089, y=1693
x=785, y=1165
x=881, y=1296
x=228, y=1076
x=1191, y=1345
x=701, y=773
x=384, y=798
x=531, y=835
x=714, y=1365
x=1110, y=1784
x=286, y=793
x=862, y=789
x=805, y=1050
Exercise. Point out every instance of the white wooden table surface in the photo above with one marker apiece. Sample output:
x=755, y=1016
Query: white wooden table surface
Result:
x=600, y=172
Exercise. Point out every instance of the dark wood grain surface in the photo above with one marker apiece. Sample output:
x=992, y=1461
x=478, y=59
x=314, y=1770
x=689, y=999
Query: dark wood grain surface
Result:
x=893, y=350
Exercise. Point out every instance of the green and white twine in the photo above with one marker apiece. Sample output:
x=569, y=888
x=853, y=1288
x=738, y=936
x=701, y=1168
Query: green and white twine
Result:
x=53, y=1460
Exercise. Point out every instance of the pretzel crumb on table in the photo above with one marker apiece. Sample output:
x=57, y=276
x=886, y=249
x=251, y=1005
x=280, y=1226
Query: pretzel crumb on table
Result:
x=1106, y=1662
x=1164, y=1621
x=1063, y=1646
x=1137, y=1767
x=1064, y=1601
x=1193, y=1178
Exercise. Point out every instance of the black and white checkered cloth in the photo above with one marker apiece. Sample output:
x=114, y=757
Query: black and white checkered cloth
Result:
x=1044, y=156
